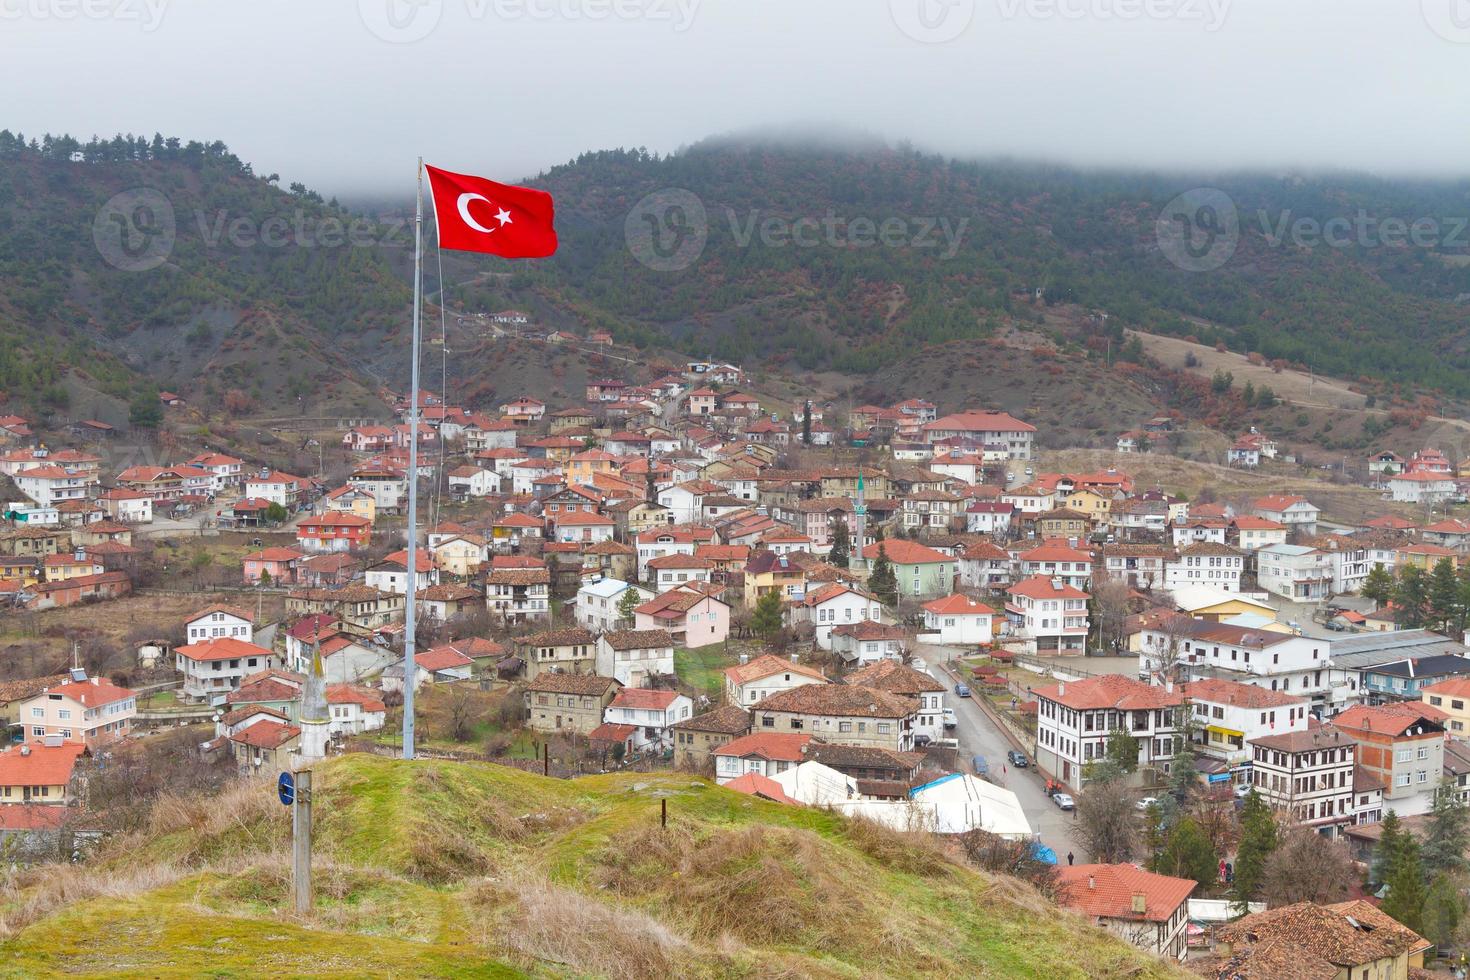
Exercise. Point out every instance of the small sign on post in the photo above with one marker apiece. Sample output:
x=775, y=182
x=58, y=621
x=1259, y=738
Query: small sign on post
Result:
x=295, y=792
x=286, y=789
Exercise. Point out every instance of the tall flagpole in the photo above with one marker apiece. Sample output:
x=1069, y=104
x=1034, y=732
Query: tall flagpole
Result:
x=413, y=474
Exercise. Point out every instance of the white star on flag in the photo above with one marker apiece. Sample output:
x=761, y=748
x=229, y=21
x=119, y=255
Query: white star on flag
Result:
x=503, y=216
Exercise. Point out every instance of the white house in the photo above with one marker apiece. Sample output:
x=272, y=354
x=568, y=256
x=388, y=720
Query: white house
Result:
x=833, y=605
x=989, y=517
x=219, y=621
x=1074, y=719
x=1197, y=529
x=958, y=619
x=1422, y=487
x=1251, y=533
x=650, y=712
x=635, y=657
x=472, y=481
x=213, y=668
x=1218, y=566
x=355, y=710
x=758, y=679
x=766, y=754
x=50, y=484
x=391, y=574
x=1295, y=572
x=1297, y=513
x=1278, y=661
x=984, y=565
x=598, y=602
x=1230, y=716
x=1048, y=614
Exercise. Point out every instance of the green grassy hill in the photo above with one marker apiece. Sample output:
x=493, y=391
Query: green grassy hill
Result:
x=467, y=869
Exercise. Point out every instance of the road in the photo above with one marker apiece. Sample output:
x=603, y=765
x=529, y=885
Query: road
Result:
x=978, y=735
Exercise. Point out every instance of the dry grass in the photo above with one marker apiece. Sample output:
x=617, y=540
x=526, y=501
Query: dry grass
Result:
x=912, y=852
x=555, y=924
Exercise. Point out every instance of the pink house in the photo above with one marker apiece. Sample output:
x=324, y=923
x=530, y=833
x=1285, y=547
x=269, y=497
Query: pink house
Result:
x=279, y=564
x=693, y=617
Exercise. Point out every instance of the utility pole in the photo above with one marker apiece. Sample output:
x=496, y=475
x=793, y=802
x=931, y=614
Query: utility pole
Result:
x=301, y=843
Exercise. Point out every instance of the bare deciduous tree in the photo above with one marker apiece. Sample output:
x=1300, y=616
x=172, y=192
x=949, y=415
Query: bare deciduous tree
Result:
x=1307, y=867
x=1107, y=823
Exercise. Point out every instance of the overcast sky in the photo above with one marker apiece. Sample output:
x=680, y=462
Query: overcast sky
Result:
x=343, y=94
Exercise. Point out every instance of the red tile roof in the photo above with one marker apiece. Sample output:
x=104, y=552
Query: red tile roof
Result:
x=644, y=699
x=224, y=648
x=771, y=746
x=755, y=784
x=902, y=552
x=266, y=734
x=767, y=666
x=1107, y=891
x=1110, y=691
x=958, y=605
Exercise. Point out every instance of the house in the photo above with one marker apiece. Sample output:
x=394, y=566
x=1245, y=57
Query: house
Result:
x=840, y=713
x=896, y=678
x=1295, y=572
x=217, y=621
x=1046, y=614
x=1075, y=719
x=71, y=591
x=989, y=517
x=362, y=606
x=387, y=484
x=518, y=595
x=582, y=526
x=524, y=411
x=1452, y=697
x=90, y=711
x=1422, y=487
x=986, y=429
x=599, y=603
x=635, y=657
x=563, y=651
x=461, y=555
x=271, y=565
x=1296, y=513
x=41, y=774
x=1351, y=939
x=922, y=572
x=391, y=574
x=1250, y=533
x=1141, y=566
x=697, y=738
x=1270, y=658
x=1309, y=774
x=128, y=506
x=1217, y=566
x=265, y=746
x=351, y=500
x=447, y=601
x=213, y=668
x=766, y=754
x=959, y=620
x=984, y=565
x=694, y=618
x=867, y=641
x=1146, y=910
x=355, y=710
x=832, y=605
x=1402, y=745
x=670, y=539
x=1403, y=680
x=768, y=572
x=758, y=679
x=1229, y=717
x=333, y=531
x=650, y=712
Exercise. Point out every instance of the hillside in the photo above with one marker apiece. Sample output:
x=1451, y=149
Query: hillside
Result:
x=469, y=869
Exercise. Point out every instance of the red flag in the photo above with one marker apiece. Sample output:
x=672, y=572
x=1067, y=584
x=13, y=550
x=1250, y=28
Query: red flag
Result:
x=479, y=215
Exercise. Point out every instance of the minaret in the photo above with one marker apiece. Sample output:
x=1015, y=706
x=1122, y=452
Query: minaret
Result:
x=855, y=560
x=315, y=718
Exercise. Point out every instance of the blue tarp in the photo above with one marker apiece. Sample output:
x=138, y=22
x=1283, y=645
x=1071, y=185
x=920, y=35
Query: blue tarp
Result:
x=1043, y=853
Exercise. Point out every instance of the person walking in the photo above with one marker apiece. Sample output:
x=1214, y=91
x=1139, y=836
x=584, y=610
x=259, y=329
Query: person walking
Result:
x=1069, y=859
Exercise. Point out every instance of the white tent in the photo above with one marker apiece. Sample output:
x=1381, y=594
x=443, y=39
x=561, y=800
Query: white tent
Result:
x=962, y=802
x=817, y=785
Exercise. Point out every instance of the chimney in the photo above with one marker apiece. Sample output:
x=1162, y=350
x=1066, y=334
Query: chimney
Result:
x=1061, y=689
x=745, y=658
x=1140, y=903
x=795, y=659
x=1091, y=883
x=80, y=554
x=1056, y=584
x=1072, y=542
x=1169, y=686
x=25, y=750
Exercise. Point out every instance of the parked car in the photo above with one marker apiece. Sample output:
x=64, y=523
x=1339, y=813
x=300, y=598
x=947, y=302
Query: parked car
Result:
x=981, y=767
x=962, y=690
x=922, y=741
x=1147, y=802
x=1063, y=801
x=950, y=721
x=1016, y=759
x=1243, y=790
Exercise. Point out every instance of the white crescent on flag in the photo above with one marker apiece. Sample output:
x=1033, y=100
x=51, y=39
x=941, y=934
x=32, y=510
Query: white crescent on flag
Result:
x=464, y=211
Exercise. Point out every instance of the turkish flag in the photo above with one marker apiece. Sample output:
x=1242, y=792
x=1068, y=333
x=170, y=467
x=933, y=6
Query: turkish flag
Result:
x=479, y=215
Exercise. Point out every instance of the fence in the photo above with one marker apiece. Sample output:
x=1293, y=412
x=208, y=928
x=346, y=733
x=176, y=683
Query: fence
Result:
x=1051, y=668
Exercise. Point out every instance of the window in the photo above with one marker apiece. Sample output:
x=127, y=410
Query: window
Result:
x=1402, y=779
x=1423, y=752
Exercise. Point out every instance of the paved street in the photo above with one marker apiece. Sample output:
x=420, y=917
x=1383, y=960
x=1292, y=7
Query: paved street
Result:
x=978, y=735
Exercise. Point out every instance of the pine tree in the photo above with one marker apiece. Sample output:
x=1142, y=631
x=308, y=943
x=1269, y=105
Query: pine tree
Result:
x=766, y=621
x=1379, y=585
x=806, y=424
x=1444, y=596
x=1257, y=841
x=1122, y=750
x=1448, y=834
x=1183, y=776
x=630, y=601
x=1390, y=837
x=841, y=551
x=1411, y=596
x=1188, y=854
x=883, y=583
x=1406, y=894
x=1444, y=907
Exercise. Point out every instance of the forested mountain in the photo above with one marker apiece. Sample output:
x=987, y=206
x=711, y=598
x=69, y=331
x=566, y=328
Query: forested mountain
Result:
x=262, y=298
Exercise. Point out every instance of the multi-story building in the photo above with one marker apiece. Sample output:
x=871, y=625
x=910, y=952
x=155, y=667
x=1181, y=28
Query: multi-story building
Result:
x=1048, y=614
x=1308, y=774
x=565, y=651
x=1453, y=698
x=650, y=713
x=636, y=657
x=1297, y=513
x=599, y=603
x=1282, y=662
x=1146, y=910
x=518, y=595
x=1058, y=558
x=896, y=678
x=840, y=713
x=985, y=429
x=1216, y=566
x=219, y=621
x=568, y=702
x=1229, y=717
x=1076, y=718
x=1140, y=565
x=214, y=668
x=1296, y=572
x=91, y=711
x=1402, y=744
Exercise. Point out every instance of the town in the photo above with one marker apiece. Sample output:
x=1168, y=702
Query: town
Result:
x=1219, y=728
